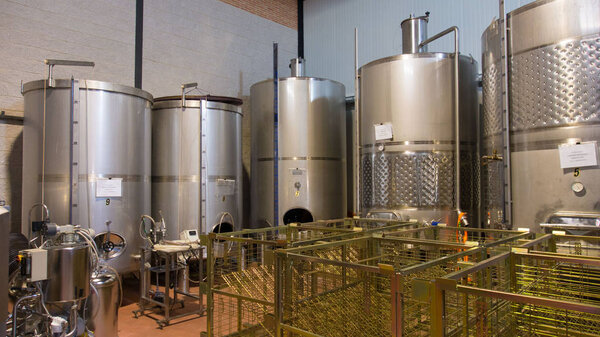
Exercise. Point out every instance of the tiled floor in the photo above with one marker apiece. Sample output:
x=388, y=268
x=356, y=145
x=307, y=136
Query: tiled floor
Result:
x=147, y=327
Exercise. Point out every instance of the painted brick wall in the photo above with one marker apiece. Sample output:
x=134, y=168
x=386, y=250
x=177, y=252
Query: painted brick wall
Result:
x=223, y=48
x=284, y=12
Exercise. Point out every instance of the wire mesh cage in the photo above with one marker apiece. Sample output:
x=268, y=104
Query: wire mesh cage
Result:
x=566, y=244
x=241, y=270
x=518, y=294
x=362, y=286
x=466, y=235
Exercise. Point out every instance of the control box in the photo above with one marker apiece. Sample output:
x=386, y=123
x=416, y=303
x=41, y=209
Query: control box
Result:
x=189, y=235
x=34, y=264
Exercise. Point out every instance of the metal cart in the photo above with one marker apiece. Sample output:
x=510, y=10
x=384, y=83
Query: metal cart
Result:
x=167, y=262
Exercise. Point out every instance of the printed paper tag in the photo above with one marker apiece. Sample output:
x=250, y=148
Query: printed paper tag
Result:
x=578, y=155
x=225, y=187
x=383, y=131
x=109, y=188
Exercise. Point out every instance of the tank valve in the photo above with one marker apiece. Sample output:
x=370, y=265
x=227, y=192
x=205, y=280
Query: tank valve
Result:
x=494, y=157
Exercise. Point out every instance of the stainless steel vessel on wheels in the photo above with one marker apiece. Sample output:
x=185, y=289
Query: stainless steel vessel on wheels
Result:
x=86, y=155
x=554, y=111
x=408, y=111
x=311, y=145
x=197, y=163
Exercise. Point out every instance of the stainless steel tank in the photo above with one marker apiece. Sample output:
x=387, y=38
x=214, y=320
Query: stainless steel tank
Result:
x=86, y=154
x=69, y=273
x=554, y=99
x=312, y=150
x=492, y=145
x=407, y=137
x=197, y=163
x=104, y=304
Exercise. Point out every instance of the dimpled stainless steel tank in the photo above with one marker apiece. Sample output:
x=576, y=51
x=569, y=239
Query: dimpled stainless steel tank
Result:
x=197, y=163
x=492, y=145
x=86, y=154
x=408, y=132
x=554, y=99
x=312, y=150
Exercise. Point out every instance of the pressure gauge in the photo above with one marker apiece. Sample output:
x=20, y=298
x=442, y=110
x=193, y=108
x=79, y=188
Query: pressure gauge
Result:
x=577, y=187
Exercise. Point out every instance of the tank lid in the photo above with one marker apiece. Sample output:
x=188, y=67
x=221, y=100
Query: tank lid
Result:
x=411, y=17
x=88, y=84
x=210, y=98
x=103, y=278
x=427, y=55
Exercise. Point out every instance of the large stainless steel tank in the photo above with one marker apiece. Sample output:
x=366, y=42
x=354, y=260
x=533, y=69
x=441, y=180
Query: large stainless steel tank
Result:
x=197, y=163
x=86, y=154
x=554, y=99
x=492, y=145
x=312, y=150
x=407, y=167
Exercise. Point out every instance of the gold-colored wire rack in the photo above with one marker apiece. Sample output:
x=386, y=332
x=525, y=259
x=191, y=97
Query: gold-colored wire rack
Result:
x=240, y=285
x=362, y=286
x=519, y=293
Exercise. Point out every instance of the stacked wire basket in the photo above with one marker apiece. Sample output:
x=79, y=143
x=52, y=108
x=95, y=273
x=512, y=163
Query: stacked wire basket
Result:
x=366, y=277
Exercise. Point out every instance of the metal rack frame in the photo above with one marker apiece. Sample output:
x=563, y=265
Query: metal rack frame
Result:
x=167, y=263
x=521, y=292
x=366, y=279
x=240, y=284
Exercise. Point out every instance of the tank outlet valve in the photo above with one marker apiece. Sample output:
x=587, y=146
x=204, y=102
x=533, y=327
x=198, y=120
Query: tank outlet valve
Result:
x=494, y=157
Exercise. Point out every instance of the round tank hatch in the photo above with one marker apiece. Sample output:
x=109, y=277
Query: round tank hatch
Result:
x=223, y=227
x=110, y=245
x=297, y=215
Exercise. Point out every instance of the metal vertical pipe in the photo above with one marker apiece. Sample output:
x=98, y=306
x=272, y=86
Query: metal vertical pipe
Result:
x=301, y=28
x=506, y=120
x=278, y=310
x=456, y=108
x=457, y=120
x=275, y=138
x=71, y=143
x=356, y=131
x=139, y=38
x=210, y=275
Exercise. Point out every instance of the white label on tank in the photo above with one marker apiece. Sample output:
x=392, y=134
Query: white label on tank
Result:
x=578, y=155
x=383, y=131
x=225, y=186
x=109, y=188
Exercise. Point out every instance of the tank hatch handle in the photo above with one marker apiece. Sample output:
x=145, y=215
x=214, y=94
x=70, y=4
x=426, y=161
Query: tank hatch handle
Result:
x=52, y=62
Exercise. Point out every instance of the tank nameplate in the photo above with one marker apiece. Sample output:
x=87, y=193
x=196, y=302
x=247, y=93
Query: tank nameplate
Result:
x=556, y=85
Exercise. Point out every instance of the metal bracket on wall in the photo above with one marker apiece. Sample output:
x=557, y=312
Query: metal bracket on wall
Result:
x=10, y=119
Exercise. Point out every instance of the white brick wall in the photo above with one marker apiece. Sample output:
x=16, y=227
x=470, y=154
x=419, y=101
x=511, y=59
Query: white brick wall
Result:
x=223, y=48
